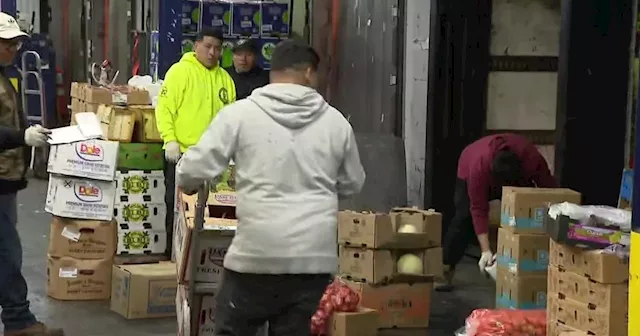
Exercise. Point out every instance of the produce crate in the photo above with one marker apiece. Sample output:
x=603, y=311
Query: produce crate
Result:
x=117, y=122
x=140, y=156
x=146, y=129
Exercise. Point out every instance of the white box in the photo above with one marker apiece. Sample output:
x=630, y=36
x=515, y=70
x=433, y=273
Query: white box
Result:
x=140, y=186
x=94, y=159
x=148, y=215
x=140, y=240
x=80, y=198
x=205, y=305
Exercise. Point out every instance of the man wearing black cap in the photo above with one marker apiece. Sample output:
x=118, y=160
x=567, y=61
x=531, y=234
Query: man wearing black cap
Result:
x=246, y=72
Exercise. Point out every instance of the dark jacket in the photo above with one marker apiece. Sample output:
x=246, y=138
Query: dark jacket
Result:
x=474, y=167
x=246, y=82
x=15, y=156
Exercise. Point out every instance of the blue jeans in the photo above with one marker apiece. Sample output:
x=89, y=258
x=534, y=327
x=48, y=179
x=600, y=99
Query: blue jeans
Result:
x=13, y=288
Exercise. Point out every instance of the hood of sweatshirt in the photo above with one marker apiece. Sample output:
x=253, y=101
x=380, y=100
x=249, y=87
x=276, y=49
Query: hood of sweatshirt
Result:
x=290, y=105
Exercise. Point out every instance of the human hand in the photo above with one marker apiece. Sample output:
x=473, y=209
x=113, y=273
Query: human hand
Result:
x=36, y=136
x=172, y=152
x=487, y=259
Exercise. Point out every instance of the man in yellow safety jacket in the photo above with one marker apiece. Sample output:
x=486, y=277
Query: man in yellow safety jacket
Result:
x=193, y=92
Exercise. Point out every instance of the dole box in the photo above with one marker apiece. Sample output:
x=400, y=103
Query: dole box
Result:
x=79, y=198
x=95, y=159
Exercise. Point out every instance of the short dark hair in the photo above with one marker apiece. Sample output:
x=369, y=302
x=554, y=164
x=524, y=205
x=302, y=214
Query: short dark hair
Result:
x=506, y=168
x=210, y=32
x=294, y=54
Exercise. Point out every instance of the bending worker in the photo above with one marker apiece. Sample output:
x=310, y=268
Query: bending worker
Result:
x=484, y=167
x=245, y=71
x=193, y=92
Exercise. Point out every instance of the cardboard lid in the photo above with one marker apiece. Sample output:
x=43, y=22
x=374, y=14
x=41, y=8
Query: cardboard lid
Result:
x=81, y=224
x=160, y=269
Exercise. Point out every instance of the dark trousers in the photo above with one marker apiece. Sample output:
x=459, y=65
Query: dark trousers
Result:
x=13, y=287
x=460, y=232
x=169, y=200
x=245, y=302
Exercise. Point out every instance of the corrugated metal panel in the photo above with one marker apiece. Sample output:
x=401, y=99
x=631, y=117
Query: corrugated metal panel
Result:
x=365, y=86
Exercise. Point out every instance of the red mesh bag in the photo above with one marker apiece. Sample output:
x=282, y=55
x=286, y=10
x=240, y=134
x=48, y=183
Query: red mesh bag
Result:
x=338, y=297
x=503, y=322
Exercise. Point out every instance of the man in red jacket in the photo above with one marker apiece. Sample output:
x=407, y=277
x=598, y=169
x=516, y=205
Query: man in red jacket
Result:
x=484, y=167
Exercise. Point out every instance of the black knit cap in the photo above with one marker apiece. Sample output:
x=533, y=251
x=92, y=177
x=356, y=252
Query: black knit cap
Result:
x=246, y=45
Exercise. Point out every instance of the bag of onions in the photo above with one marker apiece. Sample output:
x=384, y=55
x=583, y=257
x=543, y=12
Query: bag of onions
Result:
x=506, y=322
x=338, y=297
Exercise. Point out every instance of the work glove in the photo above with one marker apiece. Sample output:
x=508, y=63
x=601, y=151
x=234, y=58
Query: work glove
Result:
x=172, y=152
x=487, y=259
x=36, y=136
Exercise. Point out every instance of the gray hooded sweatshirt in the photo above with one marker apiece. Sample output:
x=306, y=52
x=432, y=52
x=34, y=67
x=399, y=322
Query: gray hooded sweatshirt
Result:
x=294, y=156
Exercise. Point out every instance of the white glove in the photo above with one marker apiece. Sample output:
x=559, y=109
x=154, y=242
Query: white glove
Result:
x=172, y=152
x=36, y=136
x=486, y=260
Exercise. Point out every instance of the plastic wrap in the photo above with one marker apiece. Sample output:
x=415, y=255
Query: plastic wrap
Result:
x=503, y=322
x=338, y=297
x=593, y=215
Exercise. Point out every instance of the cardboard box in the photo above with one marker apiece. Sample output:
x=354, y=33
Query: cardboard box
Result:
x=364, y=322
x=141, y=215
x=94, y=159
x=205, y=305
x=567, y=231
x=124, y=95
x=582, y=289
x=117, y=122
x=75, y=279
x=140, y=240
x=583, y=316
x=426, y=221
x=140, y=186
x=594, y=264
x=219, y=205
x=401, y=304
x=80, y=198
x=377, y=231
x=555, y=328
x=213, y=245
x=524, y=209
x=520, y=292
x=144, y=291
x=146, y=129
x=378, y=266
x=82, y=239
x=521, y=253
x=140, y=156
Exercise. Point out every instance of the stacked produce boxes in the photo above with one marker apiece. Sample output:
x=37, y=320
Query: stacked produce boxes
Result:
x=211, y=246
x=390, y=260
x=523, y=246
x=83, y=233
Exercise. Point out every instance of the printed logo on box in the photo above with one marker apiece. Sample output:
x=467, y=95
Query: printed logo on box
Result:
x=136, y=240
x=225, y=198
x=89, y=151
x=135, y=212
x=135, y=184
x=87, y=192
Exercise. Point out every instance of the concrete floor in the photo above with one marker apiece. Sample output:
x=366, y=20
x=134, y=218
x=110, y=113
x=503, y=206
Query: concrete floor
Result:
x=95, y=318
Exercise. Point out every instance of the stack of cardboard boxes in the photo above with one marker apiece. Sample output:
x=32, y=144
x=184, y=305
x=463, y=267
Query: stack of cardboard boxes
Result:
x=588, y=292
x=523, y=246
x=83, y=234
x=212, y=245
x=370, y=247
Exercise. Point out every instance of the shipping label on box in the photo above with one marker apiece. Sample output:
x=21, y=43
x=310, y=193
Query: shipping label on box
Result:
x=520, y=292
x=147, y=215
x=275, y=19
x=582, y=289
x=80, y=198
x=75, y=279
x=144, y=291
x=139, y=240
x=399, y=305
x=95, y=159
x=524, y=209
x=82, y=239
x=522, y=253
x=598, y=266
x=140, y=186
x=380, y=266
x=246, y=19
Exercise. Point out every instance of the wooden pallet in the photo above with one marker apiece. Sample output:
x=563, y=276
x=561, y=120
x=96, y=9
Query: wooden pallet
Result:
x=133, y=259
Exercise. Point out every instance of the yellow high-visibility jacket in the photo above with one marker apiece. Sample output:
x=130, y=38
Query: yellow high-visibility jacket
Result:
x=190, y=98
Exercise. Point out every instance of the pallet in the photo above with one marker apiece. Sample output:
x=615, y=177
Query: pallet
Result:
x=134, y=259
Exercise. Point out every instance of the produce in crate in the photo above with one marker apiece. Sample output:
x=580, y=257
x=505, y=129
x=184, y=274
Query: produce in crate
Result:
x=338, y=297
x=410, y=264
x=505, y=322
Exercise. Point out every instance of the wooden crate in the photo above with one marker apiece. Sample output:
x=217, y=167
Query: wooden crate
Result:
x=117, y=122
x=146, y=128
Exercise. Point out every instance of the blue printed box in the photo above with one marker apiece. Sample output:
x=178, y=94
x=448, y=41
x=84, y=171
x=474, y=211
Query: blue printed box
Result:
x=246, y=19
x=523, y=209
x=516, y=292
x=522, y=254
x=190, y=16
x=266, y=49
x=217, y=15
x=275, y=19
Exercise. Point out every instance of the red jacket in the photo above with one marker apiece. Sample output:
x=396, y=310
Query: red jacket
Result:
x=474, y=167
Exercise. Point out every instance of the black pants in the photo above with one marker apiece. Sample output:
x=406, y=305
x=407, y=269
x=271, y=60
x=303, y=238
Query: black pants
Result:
x=169, y=200
x=460, y=232
x=245, y=302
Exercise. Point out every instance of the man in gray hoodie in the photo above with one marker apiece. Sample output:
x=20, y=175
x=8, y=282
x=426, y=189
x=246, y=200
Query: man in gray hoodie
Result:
x=294, y=155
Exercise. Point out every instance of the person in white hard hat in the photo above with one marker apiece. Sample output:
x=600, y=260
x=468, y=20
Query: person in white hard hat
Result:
x=16, y=138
